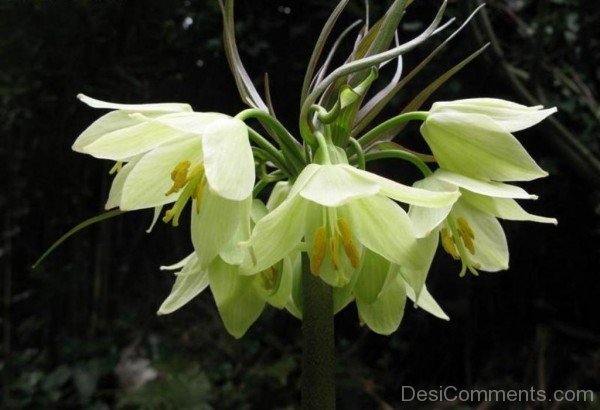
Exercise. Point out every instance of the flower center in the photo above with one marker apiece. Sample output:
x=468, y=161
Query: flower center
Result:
x=190, y=183
x=458, y=240
x=328, y=237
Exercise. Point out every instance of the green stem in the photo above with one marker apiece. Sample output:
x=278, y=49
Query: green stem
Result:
x=360, y=155
x=318, y=384
x=288, y=144
x=412, y=158
x=382, y=128
x=275, y=155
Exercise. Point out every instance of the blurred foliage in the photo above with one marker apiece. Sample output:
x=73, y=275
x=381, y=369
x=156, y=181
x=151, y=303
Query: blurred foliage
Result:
x=82, y=328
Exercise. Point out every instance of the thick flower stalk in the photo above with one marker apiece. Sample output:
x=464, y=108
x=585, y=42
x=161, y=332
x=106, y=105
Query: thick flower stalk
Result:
x=332, y=232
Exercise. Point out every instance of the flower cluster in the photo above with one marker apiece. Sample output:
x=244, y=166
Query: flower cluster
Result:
x=369, y=238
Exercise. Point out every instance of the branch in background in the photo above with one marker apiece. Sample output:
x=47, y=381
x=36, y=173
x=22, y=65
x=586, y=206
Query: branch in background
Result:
x=565, y=143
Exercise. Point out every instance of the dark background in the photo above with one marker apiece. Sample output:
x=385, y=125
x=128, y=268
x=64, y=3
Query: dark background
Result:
x=88, y=313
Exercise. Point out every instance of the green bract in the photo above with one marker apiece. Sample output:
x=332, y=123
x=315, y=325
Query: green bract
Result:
x=327, y=216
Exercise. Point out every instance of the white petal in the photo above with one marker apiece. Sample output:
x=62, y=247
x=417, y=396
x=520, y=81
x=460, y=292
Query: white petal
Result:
x=276, y=235
x=166, y=107
x=503, y=208
x=511, y=116
x=426, y=220
x=186, y=122
x=150, y=179
x=410, y=195
x=477, y=146
x=127, y=142
x=188, y=285
x=336, y=185
x=426, y=302
x=372, y=276
x=383, y=226
x=181, y=263
x=106, y=124
x=385, y=314
x=228, y=158
x=489, y=188
x=215, y=225
x=238, y=301
x=491, y=248
x=116, y=189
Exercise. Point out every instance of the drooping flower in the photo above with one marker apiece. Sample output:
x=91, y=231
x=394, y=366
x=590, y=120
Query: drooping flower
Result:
x=473, y=137
x=166, y=153
x=338, y=210
x=240, y=299
x=469, y=229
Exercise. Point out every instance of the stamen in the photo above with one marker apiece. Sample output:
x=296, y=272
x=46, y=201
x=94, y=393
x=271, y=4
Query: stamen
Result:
x=179, y=175
x=334, y=244
x=269, y=278
x=465, y=228
x=349, y=247
x=466, y=234
x=319, y=249
x=116, y=168
x=449, y=245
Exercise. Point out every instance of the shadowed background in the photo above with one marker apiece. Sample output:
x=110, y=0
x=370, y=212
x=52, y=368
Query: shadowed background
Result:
x=81, y=331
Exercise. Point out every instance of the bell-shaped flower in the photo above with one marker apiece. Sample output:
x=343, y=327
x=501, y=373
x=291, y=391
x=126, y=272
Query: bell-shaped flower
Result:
x=240, y=299
x=381, y=291
x=338, y=210
x=172, y=154
x=469, y=229
x=473, y=137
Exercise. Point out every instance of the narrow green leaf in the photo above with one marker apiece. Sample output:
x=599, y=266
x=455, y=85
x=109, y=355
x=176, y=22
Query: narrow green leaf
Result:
x=420, y=99
x=372, y=108
x=320, y=45
x=84, y=224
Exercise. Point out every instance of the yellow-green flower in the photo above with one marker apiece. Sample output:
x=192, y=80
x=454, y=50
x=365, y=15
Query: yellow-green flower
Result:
x=338, y=210
x=469, y=229
x=473, y=137
x=166, y=153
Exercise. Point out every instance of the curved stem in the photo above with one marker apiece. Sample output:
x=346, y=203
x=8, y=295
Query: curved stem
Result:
x=274, y=154
x=288, y=144
x=360, y=155
x=382, y=128
x=318, y=346
x=412, y=158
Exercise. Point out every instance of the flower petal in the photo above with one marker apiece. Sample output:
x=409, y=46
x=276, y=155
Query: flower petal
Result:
x=385, y=314
x=190, y=283
x=504, y=208
x=426, y=302
x=106, y=124
x=166, y=107
x=228, y=159
x=491, y=248
x=410, y=195
x=277, y=234
x=475, y=145
x=425, y=220
x=336, y=185
x=127, y=142
x=383, y=226
x=372, y=276
x=489, y=188
x=238, y=301
x=214, y=227
x=186, y=122
x=511, y=116
x=116, y=189
x=150, y=179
